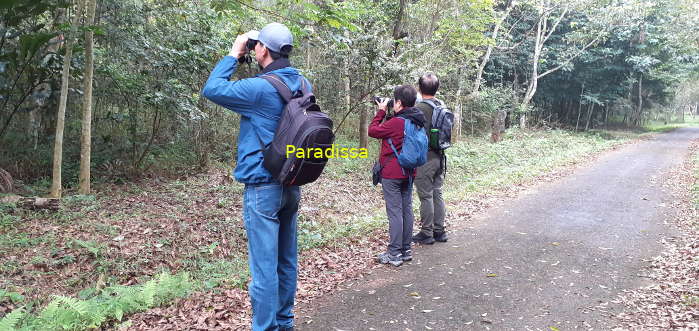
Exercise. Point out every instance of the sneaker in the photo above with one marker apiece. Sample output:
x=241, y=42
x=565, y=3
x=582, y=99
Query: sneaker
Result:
x=407, y=256
x=441, y=237
x=422, y=238
x=385, y=258
x=291, y=328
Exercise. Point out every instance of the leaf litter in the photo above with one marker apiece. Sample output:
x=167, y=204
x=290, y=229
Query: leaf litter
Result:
x=671, y=301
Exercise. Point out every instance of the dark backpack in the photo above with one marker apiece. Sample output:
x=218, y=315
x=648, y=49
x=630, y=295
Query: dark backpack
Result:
x=302, y=125
x=443, y=121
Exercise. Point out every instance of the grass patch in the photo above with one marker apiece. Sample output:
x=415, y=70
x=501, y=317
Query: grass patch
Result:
x=314, y=234
x=665, y=127
x=477, y=167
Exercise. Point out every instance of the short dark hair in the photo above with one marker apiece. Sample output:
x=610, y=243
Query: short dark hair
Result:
x=406, y=94
x=283, y=53
x=428, y=83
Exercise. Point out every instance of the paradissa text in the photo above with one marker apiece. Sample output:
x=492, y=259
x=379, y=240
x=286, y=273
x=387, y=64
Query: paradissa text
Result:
x=330, y=153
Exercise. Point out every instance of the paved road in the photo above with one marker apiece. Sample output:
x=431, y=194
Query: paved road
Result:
x=533, y=263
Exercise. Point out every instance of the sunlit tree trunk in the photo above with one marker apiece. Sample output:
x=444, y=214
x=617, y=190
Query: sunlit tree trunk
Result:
x=86, y=136
x=639, y=112
x=56, y=184
x=458, y=114
x=489, y=50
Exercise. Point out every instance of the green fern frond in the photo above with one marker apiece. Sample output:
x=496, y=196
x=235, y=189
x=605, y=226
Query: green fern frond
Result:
x=148, y=293
x=79, y=306
x=10, y=320
x=50, y=310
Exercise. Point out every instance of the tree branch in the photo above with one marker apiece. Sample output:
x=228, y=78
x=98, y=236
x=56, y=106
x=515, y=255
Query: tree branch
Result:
x=555, y=25
x=571, y=58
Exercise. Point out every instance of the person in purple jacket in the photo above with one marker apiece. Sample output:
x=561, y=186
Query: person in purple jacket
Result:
x=269, y=208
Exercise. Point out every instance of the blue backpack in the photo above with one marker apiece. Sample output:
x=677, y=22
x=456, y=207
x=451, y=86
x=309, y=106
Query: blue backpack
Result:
x=414, y=151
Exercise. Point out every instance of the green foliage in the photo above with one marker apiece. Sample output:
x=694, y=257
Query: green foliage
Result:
x=11, y=320
x=67, y=313
x=94, y=248
x=7, y=220
x=11, y=296
x=19, y=240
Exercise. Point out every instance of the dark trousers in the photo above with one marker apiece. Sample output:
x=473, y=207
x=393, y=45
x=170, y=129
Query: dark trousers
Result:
x=399, y=207
x=429, y=182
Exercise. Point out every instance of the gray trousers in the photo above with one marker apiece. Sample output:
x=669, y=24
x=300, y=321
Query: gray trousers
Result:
x=429, y=182
x=399, y=207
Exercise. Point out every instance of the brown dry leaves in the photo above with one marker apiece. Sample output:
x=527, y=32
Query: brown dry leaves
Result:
x=320, y=272
x=672, y=301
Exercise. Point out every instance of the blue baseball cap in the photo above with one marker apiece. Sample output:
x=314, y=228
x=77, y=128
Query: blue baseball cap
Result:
x=275, y=36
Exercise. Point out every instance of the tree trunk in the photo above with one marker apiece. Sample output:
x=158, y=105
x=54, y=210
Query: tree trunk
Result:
x=34, y=124
x=533, y=77
x=56, y=184
x=363, y=127
x=456, y=131
x=682, y=119
x=6, y=183
x=498, y=126
x=640, y=100
x=489, y=50
x=397, y=28
x=398, y=32
x=582, y=91
x=39, y=203
x=590, y=109
x=86, y=136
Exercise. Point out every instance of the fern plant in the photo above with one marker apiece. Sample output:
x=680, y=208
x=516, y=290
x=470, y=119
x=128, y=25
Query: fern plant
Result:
x=113, y=303
x=10, y=320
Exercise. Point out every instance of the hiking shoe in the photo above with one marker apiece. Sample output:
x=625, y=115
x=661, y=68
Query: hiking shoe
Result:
x=441, y=237
x=407, y=256
x=422, y=238
x=385, y=258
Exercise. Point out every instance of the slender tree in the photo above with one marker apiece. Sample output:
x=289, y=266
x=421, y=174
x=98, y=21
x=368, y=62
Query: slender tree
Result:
x=86, y=137
x=56, y=184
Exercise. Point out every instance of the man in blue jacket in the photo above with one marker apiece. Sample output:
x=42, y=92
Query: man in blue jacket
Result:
x=269, y=209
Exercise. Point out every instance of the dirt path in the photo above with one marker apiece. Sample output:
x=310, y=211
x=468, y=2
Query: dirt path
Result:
x=540, y=261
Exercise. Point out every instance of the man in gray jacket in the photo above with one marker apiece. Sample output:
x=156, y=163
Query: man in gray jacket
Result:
x=430, y=176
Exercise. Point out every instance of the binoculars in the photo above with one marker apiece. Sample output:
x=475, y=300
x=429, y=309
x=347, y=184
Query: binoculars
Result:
x=379, y=100
x=249, y=45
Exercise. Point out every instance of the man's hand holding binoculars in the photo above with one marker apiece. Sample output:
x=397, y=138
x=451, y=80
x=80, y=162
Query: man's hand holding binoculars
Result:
x=239, y=49
x=243, y=44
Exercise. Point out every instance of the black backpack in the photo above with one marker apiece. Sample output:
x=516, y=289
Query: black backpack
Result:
x=442, y=120
x=302, y=125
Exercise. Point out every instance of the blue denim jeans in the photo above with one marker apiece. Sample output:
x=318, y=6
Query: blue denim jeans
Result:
x=270, y=213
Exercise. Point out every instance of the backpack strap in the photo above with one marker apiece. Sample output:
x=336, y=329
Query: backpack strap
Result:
x=305, y=89
x=282, y=89
x=395, y=153
x=432, y=103
x=279, y=85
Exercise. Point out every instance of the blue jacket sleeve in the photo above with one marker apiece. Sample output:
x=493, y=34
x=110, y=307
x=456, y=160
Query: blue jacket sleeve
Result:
x=238, y=96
